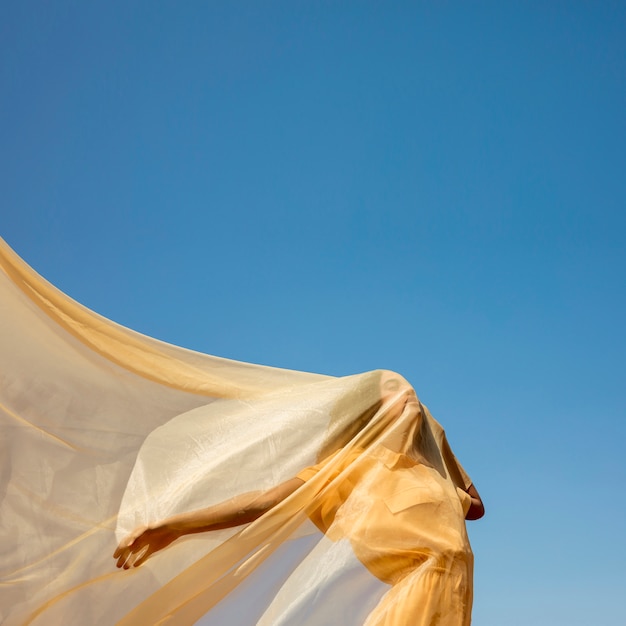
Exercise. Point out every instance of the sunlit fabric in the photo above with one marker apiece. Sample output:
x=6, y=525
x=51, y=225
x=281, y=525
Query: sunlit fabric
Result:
x=104, y=429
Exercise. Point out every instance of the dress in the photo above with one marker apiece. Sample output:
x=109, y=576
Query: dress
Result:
x=406, y=524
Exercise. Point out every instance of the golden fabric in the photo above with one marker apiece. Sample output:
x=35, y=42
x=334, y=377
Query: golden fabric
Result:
x=104, y=429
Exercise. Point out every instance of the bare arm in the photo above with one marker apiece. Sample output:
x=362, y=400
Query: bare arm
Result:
x=146, y=540
x=477, y=508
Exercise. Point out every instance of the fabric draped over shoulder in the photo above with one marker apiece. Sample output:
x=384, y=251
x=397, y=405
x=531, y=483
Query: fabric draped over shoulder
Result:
x=104, y=429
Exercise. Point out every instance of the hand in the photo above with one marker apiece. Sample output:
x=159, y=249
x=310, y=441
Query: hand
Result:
x=144, y=541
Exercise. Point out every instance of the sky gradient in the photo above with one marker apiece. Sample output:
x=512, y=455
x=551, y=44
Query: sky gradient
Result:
x=433, y=188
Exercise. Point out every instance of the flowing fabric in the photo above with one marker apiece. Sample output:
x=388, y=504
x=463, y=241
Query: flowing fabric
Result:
x=104, y=429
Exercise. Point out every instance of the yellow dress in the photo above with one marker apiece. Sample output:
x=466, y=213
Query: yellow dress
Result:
x=405, y=523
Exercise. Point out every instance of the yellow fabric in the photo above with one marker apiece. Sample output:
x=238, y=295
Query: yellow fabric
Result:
x=104, y=429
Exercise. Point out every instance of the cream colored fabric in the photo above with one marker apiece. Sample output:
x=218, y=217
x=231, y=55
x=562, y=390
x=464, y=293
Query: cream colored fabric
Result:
x=103, y=429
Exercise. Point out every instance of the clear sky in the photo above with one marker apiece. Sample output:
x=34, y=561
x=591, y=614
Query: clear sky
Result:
x=437, y=188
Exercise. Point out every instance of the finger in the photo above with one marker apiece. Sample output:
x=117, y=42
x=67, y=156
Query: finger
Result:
x=118, y=551
x=123, y=557
x=143, y=556
x=130, y=559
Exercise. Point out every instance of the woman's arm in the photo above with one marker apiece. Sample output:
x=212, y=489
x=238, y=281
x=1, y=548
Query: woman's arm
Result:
x=146, y=540
x=477, y=508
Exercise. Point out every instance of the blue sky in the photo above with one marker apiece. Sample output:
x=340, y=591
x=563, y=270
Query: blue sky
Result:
x=434, y=188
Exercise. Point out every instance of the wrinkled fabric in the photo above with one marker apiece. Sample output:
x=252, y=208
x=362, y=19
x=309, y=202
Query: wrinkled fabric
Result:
x=104, y=429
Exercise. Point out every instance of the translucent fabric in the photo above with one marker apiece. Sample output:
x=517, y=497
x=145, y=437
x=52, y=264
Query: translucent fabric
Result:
x=103, y=429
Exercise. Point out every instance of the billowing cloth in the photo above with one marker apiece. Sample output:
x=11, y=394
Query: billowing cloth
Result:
x=104, y=429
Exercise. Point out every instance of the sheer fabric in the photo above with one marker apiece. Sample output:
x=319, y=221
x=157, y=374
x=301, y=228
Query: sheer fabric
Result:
x=104, y=429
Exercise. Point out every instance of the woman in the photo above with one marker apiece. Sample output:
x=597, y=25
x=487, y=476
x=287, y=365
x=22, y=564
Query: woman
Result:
x=390, y=489
x=355, y=491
